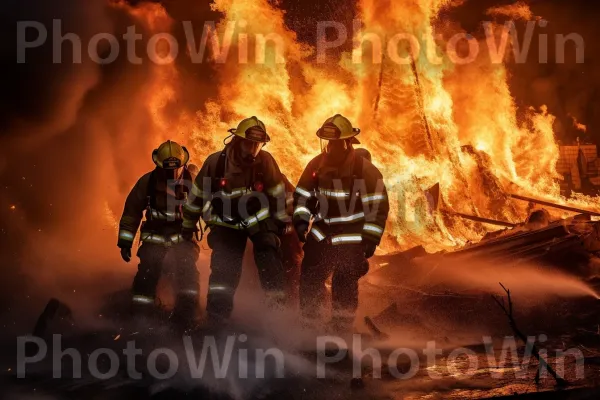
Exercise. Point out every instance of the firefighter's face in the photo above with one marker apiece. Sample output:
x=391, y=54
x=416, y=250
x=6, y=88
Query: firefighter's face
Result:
x=335, y=147
x=171, y=174
x=337, y=150
x=249, y=150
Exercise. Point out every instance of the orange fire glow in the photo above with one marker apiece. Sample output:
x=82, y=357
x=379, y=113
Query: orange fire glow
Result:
x=457, y=126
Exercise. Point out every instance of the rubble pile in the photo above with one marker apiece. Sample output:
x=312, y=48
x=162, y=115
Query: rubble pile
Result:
x=571, y=243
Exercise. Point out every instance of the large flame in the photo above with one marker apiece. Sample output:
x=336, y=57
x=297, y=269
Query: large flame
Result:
x=423, y=122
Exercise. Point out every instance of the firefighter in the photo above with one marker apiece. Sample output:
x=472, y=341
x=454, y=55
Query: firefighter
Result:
x=240, y=194
x=160, y=195
x=291, y=250
x=343, y=195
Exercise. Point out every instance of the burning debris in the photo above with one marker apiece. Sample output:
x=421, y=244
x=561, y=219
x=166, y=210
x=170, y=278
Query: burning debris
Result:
x=453, y=128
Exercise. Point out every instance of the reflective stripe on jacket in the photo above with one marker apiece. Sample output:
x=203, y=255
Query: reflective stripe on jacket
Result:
x=243, y=201
x=350, y=208
x=164, y=220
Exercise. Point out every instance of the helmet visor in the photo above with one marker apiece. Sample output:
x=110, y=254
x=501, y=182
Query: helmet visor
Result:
x=250, y=149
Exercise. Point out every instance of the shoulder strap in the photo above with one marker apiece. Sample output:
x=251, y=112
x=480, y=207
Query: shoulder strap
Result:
x=187, y=180
x=219, y=171
x=151, y=190
x=258, y=171
x=358, y=167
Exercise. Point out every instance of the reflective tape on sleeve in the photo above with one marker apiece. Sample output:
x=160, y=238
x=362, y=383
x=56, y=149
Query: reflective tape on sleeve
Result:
x=152, y=238
x=373, y=197
x=338, y=194
x=346, y=239
x=373, y=229
x=303, y=192
x=166, y=215
x=139, y=299
x=260, y=216
x=212, y=289
x=346, y=219
x=215, y=220
x=316, y=232
x=176, y=238
x=126, y=235
x=302, y=211
x=188, y=292
x=277, y=190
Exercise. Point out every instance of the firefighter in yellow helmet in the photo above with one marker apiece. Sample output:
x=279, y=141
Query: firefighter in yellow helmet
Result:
x=159, y=196
x=343, y=195
x=240, y=194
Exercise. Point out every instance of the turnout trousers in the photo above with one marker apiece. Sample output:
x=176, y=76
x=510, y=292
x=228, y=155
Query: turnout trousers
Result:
x=228, y=246
x=346, y=263
x=183, y=257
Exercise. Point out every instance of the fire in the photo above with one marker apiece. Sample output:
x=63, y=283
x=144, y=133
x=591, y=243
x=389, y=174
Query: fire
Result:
x=578, y=125
x=423, y=122
x=518, y=10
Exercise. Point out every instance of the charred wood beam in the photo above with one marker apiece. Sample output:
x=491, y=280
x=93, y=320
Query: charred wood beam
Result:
x=553, y=205
x=515, y=242
x=481, y=219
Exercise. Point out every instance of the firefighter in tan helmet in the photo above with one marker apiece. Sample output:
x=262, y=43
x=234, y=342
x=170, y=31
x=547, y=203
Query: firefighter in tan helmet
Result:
x=240, y=194
x=159, y=196
x=342, y=198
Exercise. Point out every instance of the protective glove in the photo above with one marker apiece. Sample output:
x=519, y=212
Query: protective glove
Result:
x=370, y=249
x=188, y=234
x=301, y=231
x=126, y=254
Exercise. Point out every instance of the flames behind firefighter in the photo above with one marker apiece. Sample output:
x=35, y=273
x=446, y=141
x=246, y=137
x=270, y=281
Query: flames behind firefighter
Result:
x=342, y=197
x=159, y=196
x=240, y=194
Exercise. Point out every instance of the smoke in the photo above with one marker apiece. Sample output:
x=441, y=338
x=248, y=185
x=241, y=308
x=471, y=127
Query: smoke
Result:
x=79, y=135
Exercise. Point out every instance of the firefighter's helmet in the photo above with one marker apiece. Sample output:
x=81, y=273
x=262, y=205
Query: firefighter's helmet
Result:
x=170, y=155
x=338, y=127
x=252, y=129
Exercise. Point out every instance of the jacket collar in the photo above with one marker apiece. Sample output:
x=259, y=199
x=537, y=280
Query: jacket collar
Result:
x=234, y=168
x=344, y=170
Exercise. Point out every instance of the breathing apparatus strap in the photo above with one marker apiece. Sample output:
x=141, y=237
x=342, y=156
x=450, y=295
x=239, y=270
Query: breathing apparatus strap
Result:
x=219, y=171
x=151, y=195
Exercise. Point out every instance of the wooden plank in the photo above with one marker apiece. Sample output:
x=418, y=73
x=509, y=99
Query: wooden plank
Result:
x=553, y=205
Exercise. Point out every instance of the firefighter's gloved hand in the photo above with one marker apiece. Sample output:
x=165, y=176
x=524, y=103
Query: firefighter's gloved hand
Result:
x=188, y=234
x=126, y=254
x=370, y=249
x=302, y=231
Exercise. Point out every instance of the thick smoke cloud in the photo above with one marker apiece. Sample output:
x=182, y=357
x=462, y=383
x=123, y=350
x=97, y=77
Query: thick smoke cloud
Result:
x=75, y=136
